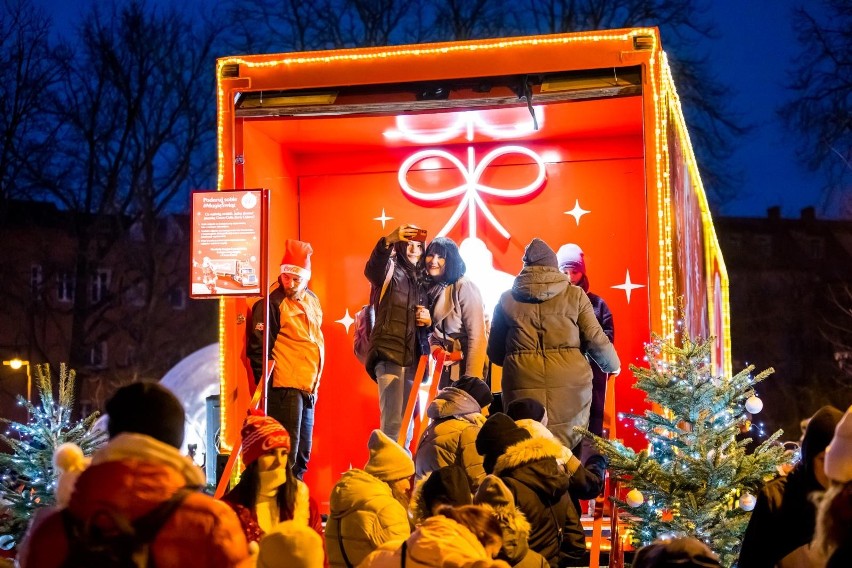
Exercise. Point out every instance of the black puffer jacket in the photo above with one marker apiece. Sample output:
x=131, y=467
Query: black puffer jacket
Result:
x=396, y=337
x=539, y=486
x=537, y=332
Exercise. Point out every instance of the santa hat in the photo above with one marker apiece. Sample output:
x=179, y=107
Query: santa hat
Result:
x=538, y=253
x=261, y=433
x=388, y=461
x=838, y=454
x=571, y=255
x=291, y=545
x=297, y=258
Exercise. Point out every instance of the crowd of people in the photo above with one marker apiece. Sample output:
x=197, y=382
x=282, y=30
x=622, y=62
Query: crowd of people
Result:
x=484, y=487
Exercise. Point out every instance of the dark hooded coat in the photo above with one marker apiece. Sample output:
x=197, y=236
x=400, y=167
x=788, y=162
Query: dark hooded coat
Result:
x=395, y=337
x=539, y=486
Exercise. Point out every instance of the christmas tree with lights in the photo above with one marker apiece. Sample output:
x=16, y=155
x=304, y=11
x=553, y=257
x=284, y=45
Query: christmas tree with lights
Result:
x=28, y=476
x=696, y=477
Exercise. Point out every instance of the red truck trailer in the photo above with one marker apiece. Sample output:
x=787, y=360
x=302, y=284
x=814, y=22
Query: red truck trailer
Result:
x=571, y=138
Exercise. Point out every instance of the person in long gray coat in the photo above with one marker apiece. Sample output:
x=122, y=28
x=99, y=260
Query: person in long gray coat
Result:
x=536, y=334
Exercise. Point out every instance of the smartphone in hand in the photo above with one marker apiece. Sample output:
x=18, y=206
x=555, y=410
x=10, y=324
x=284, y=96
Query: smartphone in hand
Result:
x=420, y=236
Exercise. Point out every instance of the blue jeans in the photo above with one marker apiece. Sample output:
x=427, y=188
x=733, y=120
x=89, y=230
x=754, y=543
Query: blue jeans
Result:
x=395, y=385
x=294, y=409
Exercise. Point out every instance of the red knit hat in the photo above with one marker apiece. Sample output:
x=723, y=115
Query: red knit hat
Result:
x=297, y=258
x=260, y=433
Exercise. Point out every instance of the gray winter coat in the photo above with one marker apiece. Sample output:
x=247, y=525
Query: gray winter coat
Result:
x=536, y=334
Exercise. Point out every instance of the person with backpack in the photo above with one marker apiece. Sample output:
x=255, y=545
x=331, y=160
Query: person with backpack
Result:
x=138, y=503
x=399, y=336
x=268, y=493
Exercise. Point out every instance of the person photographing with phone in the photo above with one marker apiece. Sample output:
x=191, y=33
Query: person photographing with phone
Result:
x=398, y=284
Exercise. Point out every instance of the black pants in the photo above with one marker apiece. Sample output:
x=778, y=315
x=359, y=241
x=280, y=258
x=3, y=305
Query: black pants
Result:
x=294, y=409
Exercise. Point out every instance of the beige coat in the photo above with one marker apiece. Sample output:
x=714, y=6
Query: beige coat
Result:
x=365, y=515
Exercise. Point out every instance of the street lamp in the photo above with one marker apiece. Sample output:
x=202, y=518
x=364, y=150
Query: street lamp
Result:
x=16, y=364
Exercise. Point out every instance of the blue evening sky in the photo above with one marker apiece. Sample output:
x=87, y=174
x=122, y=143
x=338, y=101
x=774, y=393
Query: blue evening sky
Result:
x=753, y=54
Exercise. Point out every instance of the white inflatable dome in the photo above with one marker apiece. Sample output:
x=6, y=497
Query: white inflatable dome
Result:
x=192, y=380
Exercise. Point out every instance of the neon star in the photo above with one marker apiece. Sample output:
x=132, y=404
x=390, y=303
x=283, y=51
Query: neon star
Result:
x=384, y=218
x=346, y=321
x=628, y=286
x=577, y=212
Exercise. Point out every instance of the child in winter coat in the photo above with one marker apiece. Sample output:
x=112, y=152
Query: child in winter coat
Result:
x=456, y=417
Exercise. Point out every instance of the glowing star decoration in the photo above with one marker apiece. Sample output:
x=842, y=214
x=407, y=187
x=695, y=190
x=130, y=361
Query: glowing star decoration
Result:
x=577, y=212
x=347, y=320
x=628, y=286
x=471, y=187
x=383, y=218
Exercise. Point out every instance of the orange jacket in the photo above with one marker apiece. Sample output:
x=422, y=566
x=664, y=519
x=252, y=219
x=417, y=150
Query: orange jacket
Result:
x=296, y=342
x=202, y=532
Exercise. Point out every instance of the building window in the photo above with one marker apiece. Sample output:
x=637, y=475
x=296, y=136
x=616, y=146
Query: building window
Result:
x=99, y=285
x=763, y=245
x=65, y=287
x=136, y=294
x=98, y=355
x=177, y=298
x=130, y=356
x=36, y=280
x=815, y=248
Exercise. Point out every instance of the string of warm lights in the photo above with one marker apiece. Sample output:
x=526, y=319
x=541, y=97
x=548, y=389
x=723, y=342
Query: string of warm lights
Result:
x=224, y=98
x=711, y=242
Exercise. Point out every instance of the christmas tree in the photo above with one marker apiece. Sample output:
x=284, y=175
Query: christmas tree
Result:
x=28, y=474
x=696, y=477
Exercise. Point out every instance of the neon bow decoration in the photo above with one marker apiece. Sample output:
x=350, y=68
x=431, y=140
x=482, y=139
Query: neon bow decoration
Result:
x=471, y=188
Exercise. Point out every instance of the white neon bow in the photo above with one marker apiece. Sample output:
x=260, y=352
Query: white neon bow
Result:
x=471, y=187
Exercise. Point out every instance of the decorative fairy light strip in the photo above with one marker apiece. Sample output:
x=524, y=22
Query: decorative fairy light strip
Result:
x=393, y=53
x=711, y=241
x=223, y=445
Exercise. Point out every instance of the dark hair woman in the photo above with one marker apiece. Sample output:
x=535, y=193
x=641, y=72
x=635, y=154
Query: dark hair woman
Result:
x=458, y=315
x=268, y=493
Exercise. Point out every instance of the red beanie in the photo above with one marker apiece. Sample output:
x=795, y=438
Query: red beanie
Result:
x=297, y=258
x=260, y=433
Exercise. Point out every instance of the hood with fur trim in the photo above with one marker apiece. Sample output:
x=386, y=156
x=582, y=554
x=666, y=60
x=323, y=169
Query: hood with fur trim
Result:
x=539, y=430
x=535, y=462
x=452, y=402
